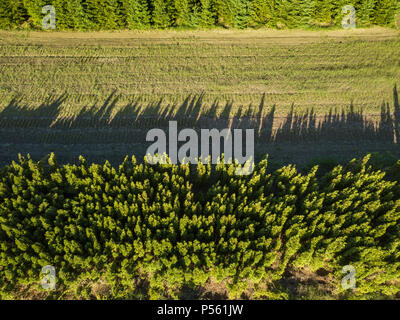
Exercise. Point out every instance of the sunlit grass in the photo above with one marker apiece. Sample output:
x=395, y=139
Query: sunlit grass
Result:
x=320, y=69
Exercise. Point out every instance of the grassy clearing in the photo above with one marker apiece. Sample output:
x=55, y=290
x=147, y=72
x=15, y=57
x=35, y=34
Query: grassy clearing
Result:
x=324, y=69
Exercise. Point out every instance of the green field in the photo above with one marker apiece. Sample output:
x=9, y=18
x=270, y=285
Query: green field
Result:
x=131, y=230
x=311, y=69
x=98, y=93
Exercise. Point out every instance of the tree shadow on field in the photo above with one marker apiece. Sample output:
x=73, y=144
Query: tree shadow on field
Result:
x=341, y=125
x=89, y=116
x=112, y=123
x=344, y=125
x=17, y=114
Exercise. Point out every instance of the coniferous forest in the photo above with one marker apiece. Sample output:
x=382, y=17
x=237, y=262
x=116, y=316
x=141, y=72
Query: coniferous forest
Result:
x=145, y=14
x=177, y=226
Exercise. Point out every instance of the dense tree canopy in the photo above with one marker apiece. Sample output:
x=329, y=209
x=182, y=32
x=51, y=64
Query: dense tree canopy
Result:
x=183, y=224
x=139, y=14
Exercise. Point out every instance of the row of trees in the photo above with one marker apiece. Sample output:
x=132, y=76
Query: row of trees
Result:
x=139, y=14
x=180, y=225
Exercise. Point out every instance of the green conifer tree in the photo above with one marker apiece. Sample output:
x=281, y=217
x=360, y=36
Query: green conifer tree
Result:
x=322, y=13
x=242, y=13
x=224, y=12
x=365, y=11
x=103, y=14
x=294, y=13
x=12, y=14
x=183, y=12
x=264, y=13
x=69, y=14
x=162, y=15
x=91, y=9
x=207, y=13
x=137, y=14
x=385, y=11
x=34, y=10
x=110, y=17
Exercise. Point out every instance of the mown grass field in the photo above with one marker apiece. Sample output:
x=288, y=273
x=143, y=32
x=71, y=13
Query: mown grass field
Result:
x=311, y=69
x=59, y=89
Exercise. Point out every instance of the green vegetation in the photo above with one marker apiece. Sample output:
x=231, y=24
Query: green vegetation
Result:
x=319, y=70
x=179, y=226
x=143, y=231
x=98, y=93
x=140, y=14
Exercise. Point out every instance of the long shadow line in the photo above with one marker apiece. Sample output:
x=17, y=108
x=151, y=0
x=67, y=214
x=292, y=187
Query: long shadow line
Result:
x=343, y=124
